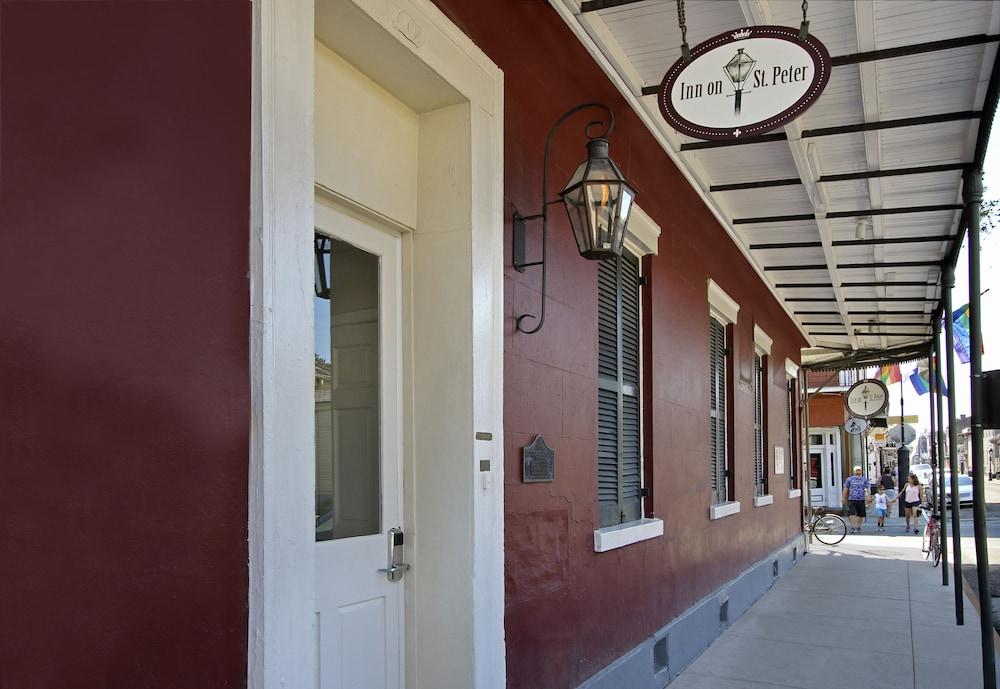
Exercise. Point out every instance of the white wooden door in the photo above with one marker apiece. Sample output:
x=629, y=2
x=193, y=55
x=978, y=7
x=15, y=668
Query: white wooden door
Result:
x=359, y=616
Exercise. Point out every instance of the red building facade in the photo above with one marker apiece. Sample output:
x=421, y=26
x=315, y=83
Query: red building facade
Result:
x=125, y=212
x=569, y=610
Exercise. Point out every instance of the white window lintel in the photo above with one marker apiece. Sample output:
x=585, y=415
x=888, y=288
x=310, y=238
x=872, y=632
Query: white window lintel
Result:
x=620, y=535
x=761, y=500
x=723, y=509
x=642, y=233
x=723, y=306
x=791, y=368
x=762, y=341
x=794, y=493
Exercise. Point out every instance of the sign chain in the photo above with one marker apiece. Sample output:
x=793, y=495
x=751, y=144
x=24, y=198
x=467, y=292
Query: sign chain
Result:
x=804, y=28
x=682, y=22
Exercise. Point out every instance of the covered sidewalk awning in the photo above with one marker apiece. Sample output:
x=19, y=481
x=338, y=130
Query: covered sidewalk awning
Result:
x=851, y=212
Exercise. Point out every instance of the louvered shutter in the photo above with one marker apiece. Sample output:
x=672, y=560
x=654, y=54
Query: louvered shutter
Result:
x=758, y=427
x=790, y=434
x=619, y=475
x=607, y=393
x=717, y=410
x=631, y=478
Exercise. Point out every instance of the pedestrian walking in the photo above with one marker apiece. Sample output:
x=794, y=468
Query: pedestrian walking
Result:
x=882, y=502
x=856, y=498
x=889, y=483
x=912, y=495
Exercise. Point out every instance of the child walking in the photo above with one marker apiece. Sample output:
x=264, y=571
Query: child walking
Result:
x=882, y=503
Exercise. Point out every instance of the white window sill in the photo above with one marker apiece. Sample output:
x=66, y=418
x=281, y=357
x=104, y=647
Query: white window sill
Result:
x=620, y=535
x=723, y=509
x=761, y=500
x=794, y=493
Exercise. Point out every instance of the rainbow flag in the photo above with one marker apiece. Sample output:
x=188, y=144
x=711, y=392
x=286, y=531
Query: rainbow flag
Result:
x=920, y=378
x=920, y=383
x=960, y=319
x=891, y=374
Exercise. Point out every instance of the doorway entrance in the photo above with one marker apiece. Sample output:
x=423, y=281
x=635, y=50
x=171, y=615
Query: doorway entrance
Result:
x=359, y=500
x=825, y=472
x=381, y=130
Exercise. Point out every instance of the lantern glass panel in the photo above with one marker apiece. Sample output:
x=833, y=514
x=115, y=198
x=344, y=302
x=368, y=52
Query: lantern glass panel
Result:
x=576, y=208
x=602, y=207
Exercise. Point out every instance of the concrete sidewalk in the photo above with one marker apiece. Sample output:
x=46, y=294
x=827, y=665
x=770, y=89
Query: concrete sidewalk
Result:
x=870, y=613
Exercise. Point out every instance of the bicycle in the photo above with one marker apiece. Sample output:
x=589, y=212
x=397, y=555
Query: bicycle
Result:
x=931, y=543
x=829, y=529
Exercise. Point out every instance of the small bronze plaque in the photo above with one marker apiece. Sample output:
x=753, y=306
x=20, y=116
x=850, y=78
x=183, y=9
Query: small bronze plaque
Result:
x=539, y=462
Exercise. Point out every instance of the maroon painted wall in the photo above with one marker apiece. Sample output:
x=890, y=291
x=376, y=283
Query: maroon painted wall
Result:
x=124, y=381
x=569, y=610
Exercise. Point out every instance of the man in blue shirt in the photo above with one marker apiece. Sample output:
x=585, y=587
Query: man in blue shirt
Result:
x=856, y=497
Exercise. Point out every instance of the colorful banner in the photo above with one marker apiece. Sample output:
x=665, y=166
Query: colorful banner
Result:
x=920, y=383
x=960, y=319
x=920, y=378
x=891, y=374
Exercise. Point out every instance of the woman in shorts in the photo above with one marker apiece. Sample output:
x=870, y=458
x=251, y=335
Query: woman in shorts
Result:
x=912, y=495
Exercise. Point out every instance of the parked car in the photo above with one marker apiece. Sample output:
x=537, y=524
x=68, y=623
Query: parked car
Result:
x=923, y=472
x=964, y=489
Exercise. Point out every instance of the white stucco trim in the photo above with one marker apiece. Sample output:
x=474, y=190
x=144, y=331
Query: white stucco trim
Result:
x=722, y=304
x=794, y=493
x=281, y=643
x=620, y=535
x=642, y=233
x=762, y=341
x=791, y=368
x=282, y=634
x=723, y=509
x=761, y=500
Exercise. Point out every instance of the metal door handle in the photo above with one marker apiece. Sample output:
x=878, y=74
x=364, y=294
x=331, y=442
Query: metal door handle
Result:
x=395, y=568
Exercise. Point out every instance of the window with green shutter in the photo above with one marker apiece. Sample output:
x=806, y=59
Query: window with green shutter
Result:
x=793, y=446
x=619, y=461
x=759, y=463
x=717, y=410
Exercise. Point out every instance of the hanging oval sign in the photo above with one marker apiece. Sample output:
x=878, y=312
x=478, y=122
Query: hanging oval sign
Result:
x=744, y=83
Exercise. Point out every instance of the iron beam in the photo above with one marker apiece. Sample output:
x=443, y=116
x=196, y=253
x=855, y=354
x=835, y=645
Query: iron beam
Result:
x=840, y=129
x=595, y=5
x=737, y=186
x=871, y=174
x=806, y=285
x=848, y=214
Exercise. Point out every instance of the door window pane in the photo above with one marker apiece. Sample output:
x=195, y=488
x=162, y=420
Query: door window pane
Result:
x=815, y=471
x=346, y=392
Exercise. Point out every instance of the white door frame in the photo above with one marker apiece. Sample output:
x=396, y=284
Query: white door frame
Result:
x=462, y=267
x=829, y=465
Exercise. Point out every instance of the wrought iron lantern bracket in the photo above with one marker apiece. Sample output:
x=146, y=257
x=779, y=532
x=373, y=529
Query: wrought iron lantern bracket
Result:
x=597, y=149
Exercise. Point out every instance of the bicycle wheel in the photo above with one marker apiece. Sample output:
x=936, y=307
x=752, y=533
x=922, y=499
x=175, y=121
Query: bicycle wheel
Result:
x=926, y=541
x=935, y=549
x=830, y=529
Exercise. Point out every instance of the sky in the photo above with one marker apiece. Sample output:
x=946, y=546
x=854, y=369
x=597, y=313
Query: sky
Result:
x=990, y=279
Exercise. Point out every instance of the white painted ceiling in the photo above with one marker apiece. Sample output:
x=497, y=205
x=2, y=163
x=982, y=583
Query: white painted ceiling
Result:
x=636, y=43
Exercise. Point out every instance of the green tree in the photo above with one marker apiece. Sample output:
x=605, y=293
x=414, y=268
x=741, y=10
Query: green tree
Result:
x=989, y=211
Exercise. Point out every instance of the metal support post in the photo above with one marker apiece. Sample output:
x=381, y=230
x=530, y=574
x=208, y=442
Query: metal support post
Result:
x=902, y=454
x=947, y=283
x=807, y=463
x=973, y=188
x=935, y=485
x=937, y=449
